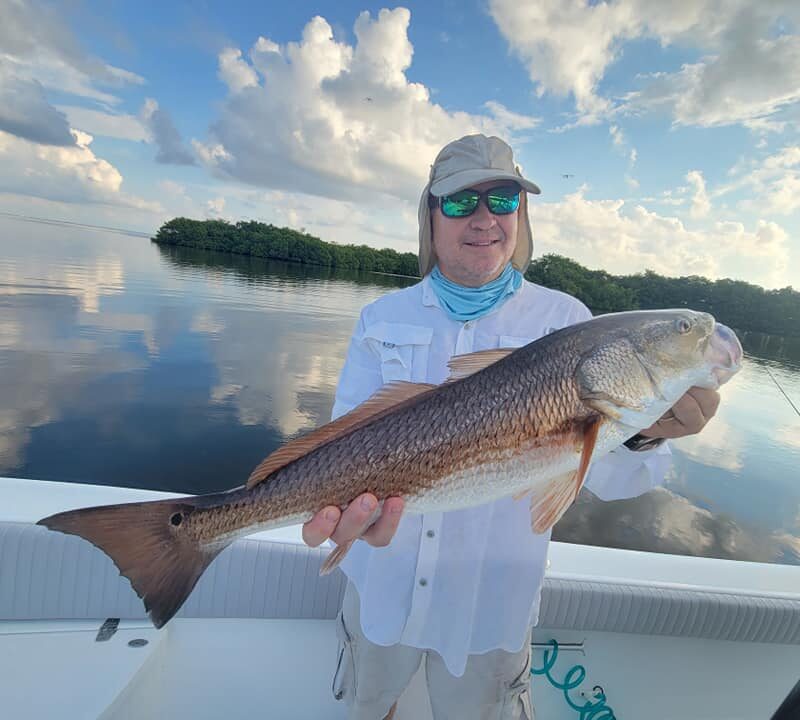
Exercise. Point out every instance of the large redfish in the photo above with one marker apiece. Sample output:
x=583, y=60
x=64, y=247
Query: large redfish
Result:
x=507, y=422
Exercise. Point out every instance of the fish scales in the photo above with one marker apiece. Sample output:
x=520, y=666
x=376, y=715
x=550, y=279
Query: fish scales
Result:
x=457, y=428
x=510, y=422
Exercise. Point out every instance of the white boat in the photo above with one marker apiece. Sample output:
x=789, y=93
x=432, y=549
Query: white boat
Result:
x=666, y=637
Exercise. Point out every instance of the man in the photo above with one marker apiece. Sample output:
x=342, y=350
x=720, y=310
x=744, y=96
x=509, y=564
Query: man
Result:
x=461, y=589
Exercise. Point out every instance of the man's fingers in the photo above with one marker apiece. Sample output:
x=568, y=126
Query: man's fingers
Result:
x=382, y=532
x=669, y=429
x=355, y=519
x=687, y=416
x=688, y=413
x=708, y=400
x=317, y=530
x=355, y=522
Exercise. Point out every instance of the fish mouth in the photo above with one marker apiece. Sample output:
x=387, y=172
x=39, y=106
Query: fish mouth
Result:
x=725, y=353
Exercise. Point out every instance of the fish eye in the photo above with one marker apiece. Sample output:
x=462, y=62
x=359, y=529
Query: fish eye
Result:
x=683, y=325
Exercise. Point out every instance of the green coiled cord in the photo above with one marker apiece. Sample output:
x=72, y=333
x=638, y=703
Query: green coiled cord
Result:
x=597, y=710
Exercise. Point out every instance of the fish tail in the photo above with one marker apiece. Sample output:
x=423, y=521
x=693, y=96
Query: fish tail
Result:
x=150, y=544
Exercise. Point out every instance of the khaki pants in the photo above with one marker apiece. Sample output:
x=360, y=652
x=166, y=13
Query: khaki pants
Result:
x=370, y=677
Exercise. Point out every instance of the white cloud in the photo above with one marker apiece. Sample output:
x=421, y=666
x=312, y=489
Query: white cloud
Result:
x=25, y=112
x=324, y=117
x=385, y=224
x=106, y=124
x=68, y=174
x=177, y=201
x=701, y=205
x=41, y=156
x=667, y=198
x=617, y=136
x=171, y=149
x=234, y=71
x=771, y=188
x=747, y=70
x=749, y=79
x=607, y=234
x=632, y=182
x=264, y=45
x=511, y=120
x=36, y=44
x=566, y=46
x=620, y=144
x=215, y=207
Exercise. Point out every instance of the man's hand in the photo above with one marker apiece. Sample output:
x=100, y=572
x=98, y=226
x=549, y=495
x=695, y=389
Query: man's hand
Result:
x=687, y=416
x=354, y=522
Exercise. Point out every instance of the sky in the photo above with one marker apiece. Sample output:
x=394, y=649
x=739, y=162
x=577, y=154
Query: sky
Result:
x=664, y=136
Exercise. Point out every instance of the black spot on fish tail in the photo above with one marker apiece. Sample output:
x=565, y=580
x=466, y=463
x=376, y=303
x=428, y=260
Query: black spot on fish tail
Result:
x=150, y=545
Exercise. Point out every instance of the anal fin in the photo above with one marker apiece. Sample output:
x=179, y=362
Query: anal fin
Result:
x=335, y=557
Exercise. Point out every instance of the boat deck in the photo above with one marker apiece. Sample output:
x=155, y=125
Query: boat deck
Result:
x=666, y=637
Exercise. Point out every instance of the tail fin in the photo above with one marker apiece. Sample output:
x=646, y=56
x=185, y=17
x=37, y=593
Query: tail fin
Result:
x=150, y=544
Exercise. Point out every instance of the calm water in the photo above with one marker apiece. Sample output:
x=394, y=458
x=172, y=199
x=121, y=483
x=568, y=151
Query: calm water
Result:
x=125, y=364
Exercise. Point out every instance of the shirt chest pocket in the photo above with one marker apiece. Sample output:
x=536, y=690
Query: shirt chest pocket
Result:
x=402, y=350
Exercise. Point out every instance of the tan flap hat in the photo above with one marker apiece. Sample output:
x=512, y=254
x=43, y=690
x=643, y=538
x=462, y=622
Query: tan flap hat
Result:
x=471, y=160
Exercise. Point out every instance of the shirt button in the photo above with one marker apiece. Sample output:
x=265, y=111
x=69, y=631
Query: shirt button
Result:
x=423, y=582
x=430, y=533
x=468, y=325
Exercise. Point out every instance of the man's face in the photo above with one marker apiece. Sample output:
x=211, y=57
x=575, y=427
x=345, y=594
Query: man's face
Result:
x=474, y=250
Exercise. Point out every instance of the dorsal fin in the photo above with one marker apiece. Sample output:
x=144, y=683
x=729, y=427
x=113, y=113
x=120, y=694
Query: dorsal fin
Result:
x=462, y=366
x=385, y=399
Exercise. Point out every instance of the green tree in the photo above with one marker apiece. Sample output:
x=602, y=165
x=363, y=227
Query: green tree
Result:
x=741, y=305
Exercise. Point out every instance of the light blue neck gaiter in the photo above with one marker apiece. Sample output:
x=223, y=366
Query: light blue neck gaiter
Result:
x=468, y=303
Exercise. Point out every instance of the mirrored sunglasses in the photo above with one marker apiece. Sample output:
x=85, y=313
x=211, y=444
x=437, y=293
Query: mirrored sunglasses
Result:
x=502, y=200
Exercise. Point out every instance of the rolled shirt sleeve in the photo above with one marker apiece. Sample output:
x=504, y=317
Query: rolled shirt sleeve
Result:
x=624, y=473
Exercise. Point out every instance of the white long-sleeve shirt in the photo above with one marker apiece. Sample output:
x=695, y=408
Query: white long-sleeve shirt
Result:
x=466, y=581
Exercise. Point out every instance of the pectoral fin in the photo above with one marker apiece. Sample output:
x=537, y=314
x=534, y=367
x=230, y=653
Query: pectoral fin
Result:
x=550, y=502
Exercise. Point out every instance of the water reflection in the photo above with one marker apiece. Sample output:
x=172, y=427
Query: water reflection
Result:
x=662, y=521
x=51, y=359
x=125, y=363
x=279, y=372
x=771, y=347
x=87, y=281
x=254, y=269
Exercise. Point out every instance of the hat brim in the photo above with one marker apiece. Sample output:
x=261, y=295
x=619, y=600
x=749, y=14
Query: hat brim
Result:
x=468, y=178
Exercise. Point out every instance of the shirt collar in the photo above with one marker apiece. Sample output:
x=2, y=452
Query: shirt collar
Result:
x=428, y=293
